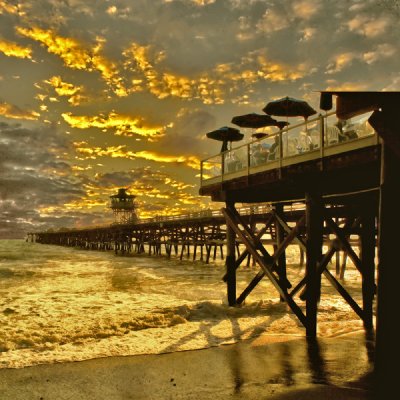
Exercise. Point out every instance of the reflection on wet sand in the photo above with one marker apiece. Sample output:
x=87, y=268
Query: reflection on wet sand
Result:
x=267, y=367
x=342, y=364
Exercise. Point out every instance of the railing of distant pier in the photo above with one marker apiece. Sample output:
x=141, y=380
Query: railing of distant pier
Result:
x=310, y=140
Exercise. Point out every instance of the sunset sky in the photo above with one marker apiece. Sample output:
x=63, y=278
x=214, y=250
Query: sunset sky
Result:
x=101, y=94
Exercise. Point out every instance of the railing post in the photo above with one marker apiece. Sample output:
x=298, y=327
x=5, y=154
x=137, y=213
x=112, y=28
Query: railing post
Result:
x=222, y=166
x=248, y=159
x=322, y=135
x=280, y=153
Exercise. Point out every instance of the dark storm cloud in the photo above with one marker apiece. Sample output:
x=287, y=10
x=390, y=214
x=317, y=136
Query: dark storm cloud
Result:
x=32, y=175
x=186, y=136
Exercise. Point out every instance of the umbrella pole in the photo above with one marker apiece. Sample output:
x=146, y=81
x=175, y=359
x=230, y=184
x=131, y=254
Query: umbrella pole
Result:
x=287, y=135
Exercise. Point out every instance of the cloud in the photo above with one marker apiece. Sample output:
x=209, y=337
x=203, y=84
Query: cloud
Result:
x=369, y=26
x=86, y=152
x=14, y=112
x=75, y=93
x=33, y=176
x=382, y=51
x=340, y=62
x=213, y=86
x=124, y=125
x=79, y=56
x=69, y=50
x=306, y=9
x=11, y=49
x=5, y=7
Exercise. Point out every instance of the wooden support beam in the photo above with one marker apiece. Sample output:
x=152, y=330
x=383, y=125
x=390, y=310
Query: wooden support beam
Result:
x=367, y=238
x=273, y=262
x=344, y=242
x=280, y=236
x=264, y=259
x=336, y=284
x=246, y=253
x=230, y=260
x=323, y=264
x=387, y=343
x=314, y=226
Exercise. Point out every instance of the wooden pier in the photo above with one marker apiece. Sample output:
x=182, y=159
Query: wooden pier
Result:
x=360, y=175
x=336, y=198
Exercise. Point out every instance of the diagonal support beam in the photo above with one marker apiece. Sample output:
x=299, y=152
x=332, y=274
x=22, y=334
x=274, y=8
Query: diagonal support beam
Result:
x=273, y=265
x=344, y=242
x=245, y=253
x=253, y=246
x=345, y=294
x=288, y=229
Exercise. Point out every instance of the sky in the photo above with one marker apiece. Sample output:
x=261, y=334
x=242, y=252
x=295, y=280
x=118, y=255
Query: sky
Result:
x=101, y=94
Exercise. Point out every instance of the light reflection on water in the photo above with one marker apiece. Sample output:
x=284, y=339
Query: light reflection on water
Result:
x=60, y=304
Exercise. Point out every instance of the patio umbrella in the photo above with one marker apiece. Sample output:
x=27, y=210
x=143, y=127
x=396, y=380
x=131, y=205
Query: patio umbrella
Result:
x=281, y=124
x=253, y=120
x=225, y=134
x=259, y=135
x=289, y=107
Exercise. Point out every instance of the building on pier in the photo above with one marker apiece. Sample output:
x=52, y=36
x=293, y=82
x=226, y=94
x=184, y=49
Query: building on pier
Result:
x=124, y=207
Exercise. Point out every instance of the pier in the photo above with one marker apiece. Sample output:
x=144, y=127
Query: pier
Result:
x=360, y=173
x=335, y=199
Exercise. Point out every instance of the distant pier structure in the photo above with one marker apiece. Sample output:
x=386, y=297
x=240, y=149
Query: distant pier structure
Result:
x=123, y=206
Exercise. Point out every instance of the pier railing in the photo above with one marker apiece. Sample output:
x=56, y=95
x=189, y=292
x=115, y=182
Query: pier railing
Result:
x=249, y=210
x=316, y=138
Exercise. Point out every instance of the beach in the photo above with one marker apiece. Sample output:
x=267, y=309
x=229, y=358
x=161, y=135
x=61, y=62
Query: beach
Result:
x=77, y=324
x=268, y=367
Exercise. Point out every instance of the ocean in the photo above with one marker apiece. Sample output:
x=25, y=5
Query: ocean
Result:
x=61, y=304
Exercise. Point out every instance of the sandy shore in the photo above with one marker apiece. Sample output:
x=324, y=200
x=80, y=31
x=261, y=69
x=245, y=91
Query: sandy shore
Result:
x=268, y=367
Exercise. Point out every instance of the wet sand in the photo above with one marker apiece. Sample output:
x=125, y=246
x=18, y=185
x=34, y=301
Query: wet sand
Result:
x=267, y=367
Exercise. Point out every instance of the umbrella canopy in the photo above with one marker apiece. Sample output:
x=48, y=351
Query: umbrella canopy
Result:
x=253, y=120
x=225, y=134
x=259, y=135
x=289, y=107
x=281, y=124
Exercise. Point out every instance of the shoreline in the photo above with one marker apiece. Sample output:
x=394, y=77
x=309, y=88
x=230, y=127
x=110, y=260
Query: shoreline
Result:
x=273, y=367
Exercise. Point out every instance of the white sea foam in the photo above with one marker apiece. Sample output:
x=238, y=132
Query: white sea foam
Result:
x=61, y=304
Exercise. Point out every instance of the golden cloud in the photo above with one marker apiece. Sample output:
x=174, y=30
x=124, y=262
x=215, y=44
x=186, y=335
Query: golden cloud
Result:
x=67, y=89
x=69, y=50
x=121, y=152
x=9, y=8
x=340, y=61
x=11, y=111
x=124, y=125
x=75, y=55
x=14, y=50
x=63, y=88
x=211, y=87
